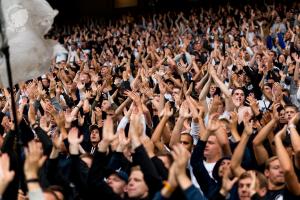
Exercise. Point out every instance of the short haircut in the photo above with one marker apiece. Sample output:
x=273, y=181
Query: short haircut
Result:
x=291, y=106
x=238, y=88
x=224, y=120
x=189, y=135
x=135, y=168
x=245, y=175
x=267, y=164
x=165, y=154
x=263, y=182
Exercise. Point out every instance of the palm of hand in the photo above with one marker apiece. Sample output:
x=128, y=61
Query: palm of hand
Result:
x=69, y=118
x=213, y=125
x=73, y=137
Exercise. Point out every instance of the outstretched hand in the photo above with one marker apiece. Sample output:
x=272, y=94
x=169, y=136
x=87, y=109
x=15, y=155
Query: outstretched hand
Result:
x=6, y=175
x=34, y=159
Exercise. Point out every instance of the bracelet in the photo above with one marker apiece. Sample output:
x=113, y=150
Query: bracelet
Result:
x=291, y=126
x=33, y=180
x=168, y=186
x=35, y=124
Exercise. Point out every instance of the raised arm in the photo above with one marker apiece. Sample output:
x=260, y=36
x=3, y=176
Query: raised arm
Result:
x=157, y=134
x=218, y=82
x=260, y=152
x=238, y=153
x=205, y=89
x=181, y=157
x=6, y=175
x=295, y=138
x=286, y=164
x=183, y=115
x=140, y=156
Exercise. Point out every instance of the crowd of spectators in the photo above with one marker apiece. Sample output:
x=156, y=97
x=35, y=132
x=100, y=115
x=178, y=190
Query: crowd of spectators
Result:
x=190, y=105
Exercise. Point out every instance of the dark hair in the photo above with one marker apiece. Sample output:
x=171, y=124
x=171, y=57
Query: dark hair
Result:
x=215, y=172
x=238, y=88
x=187, y=134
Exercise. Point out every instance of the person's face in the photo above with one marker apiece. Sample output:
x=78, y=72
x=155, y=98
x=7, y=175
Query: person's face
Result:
x=137, y=187
x=117, y=82
x=225, y=164
x=166, y=39
x=197, y=46
x=5, y=122
x=244, y=188
x=187, y=142
x=238, y=97
x=175, y=93
x=149, y=63
x=95, y=136
x=271, y=54
x=45, y=82
x=281, y=59
x=289, y=113
x=85, y=78
x=212, y=147
x=170, y=85
x=118, y=185
x=267, y=90
x=212, y=89
x=104, y=71
x=258, y=57
x=282, y=119
x=105, y=106
x=220, y=108
x=275, y=173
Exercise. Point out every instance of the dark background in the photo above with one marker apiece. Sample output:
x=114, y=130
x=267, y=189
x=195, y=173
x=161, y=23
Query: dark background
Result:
x=73, y=10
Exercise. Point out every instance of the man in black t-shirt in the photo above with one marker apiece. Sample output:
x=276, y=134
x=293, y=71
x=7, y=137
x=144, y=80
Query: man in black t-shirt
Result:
x=277, y=188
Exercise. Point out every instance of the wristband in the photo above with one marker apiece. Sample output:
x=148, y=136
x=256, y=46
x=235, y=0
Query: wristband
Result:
x=33, y=180
x=291, y=126
x=168, y=186
x=36, y=124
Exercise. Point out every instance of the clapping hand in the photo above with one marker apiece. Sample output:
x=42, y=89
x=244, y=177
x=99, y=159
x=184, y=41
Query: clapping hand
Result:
x=6, y=175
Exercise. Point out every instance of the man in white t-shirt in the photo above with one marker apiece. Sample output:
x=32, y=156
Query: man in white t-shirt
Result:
x=212, y=153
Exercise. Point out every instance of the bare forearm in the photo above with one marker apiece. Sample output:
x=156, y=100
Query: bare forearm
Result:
x=205, y=89
x=263, y=133
x=295, y=139
x=175, y=137
x=156, y=136
x=239, y=152
x=222, y=86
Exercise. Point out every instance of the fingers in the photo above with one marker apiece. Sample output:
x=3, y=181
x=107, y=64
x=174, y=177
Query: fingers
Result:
x=5, y=174
x=214, y=116
x=34, y=151
x=4, y=162
x=233, y=116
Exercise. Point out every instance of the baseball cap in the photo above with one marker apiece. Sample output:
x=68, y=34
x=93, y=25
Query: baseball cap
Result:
x=120, y=173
